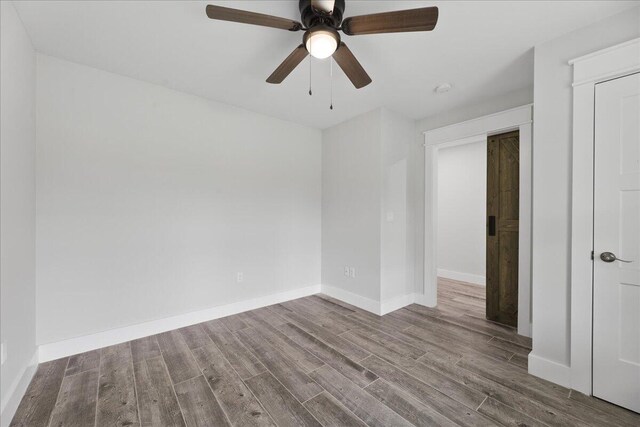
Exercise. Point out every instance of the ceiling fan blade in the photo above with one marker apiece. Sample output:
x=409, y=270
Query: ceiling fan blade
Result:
x=351, y=66
x=245, y=17
x=288, y=65
x=325, y=6
x=423, y=19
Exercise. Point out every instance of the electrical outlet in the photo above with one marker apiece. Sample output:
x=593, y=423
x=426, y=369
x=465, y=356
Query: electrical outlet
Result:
x=239, y=277
x=346, y=271
x=352, y=272
x=3, y=350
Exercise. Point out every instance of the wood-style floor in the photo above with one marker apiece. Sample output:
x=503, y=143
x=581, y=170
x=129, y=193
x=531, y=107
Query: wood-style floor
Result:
x=316, y=361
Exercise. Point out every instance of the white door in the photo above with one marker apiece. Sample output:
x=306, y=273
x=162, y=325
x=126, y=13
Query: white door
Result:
x=616, y=284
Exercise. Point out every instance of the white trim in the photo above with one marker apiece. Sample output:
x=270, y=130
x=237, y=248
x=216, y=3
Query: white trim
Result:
x=77, y=345
x=620, y=60
x=490, y=124
x=519, y=118
x=548, y=369
x=11, y=399
x=359, y=301
x=396, y=303
x=588, y=70
x=378, y=308
x=462, y=277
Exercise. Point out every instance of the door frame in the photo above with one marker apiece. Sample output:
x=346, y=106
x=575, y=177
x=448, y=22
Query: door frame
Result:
x=588, y=70
x=519, y=118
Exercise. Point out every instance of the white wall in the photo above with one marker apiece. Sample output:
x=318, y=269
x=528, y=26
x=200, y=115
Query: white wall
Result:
x=149, y=201
x=17, y=198
x=351, y=195
x=366, y=222
x=552, y=185
x=396, y=220
x=462, y=201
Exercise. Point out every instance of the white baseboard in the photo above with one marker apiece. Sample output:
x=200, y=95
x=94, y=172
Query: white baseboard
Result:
x=550, y=370
x=81, y=344
x=359, y=301
x=376, y=307
x=17, y=389
x=396, y=303
x=462, y=277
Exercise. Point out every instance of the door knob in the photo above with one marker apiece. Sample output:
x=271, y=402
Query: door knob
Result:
x=610, y=257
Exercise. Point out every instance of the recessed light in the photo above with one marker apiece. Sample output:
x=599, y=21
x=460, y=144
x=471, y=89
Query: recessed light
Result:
x=442, y=88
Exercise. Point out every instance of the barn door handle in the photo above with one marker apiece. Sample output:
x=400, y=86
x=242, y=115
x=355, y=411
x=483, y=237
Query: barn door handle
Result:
x=610, y=257
x=492, y=225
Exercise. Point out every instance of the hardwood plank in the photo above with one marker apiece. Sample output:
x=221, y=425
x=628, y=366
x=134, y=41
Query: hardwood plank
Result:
x=145, y=348
x=306, y=360
x=520, y=361
x=117, y=403
x=341, y=363
x=338, y=302
x=177, y=356
x=157, y=401
x=505, y=395
x=506, y=415
x=236, y=399
x=464, y=288
x=457, y=345
x=40, y=398
x=361, y=403
x=456, y=336
x=435, y=380
x=269, y=316
x=195, y=336
x=398, y=346
x=535, y=388
x=433, y=348
x=234, y=323
x=407, y=406
x=280, y=364
x=76, y=403
x=622, y=414
x=426, y=311
x=199, y=405
x=332, y=306
x=509, y=346
x=325, y=317
x=242, y=360
x=331, y=413
x=445, y=405
x=344, y=346
x=83, y=362
x=281, y=405
x=305, y=307
x=489, y=328
x=387, y=324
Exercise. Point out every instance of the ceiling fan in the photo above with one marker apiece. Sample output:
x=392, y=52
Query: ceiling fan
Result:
x=321, y=21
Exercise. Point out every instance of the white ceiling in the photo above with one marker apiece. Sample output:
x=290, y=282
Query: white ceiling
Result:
x=484, y=48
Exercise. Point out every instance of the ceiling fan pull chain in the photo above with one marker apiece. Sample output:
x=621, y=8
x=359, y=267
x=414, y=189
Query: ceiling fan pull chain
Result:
x=331, y=79
x=310, y=93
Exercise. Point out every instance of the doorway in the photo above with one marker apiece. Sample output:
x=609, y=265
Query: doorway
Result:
x=517, y=119
x=478, y=221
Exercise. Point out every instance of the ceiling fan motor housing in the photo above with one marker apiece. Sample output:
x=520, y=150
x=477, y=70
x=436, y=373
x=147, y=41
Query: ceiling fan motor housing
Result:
x=311, y=17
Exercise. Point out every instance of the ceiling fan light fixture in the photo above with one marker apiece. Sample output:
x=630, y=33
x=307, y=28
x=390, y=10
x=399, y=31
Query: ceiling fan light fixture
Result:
x=322, y=41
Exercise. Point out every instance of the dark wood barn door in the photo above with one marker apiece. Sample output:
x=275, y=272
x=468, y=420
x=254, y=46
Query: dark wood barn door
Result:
x=503, y=191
